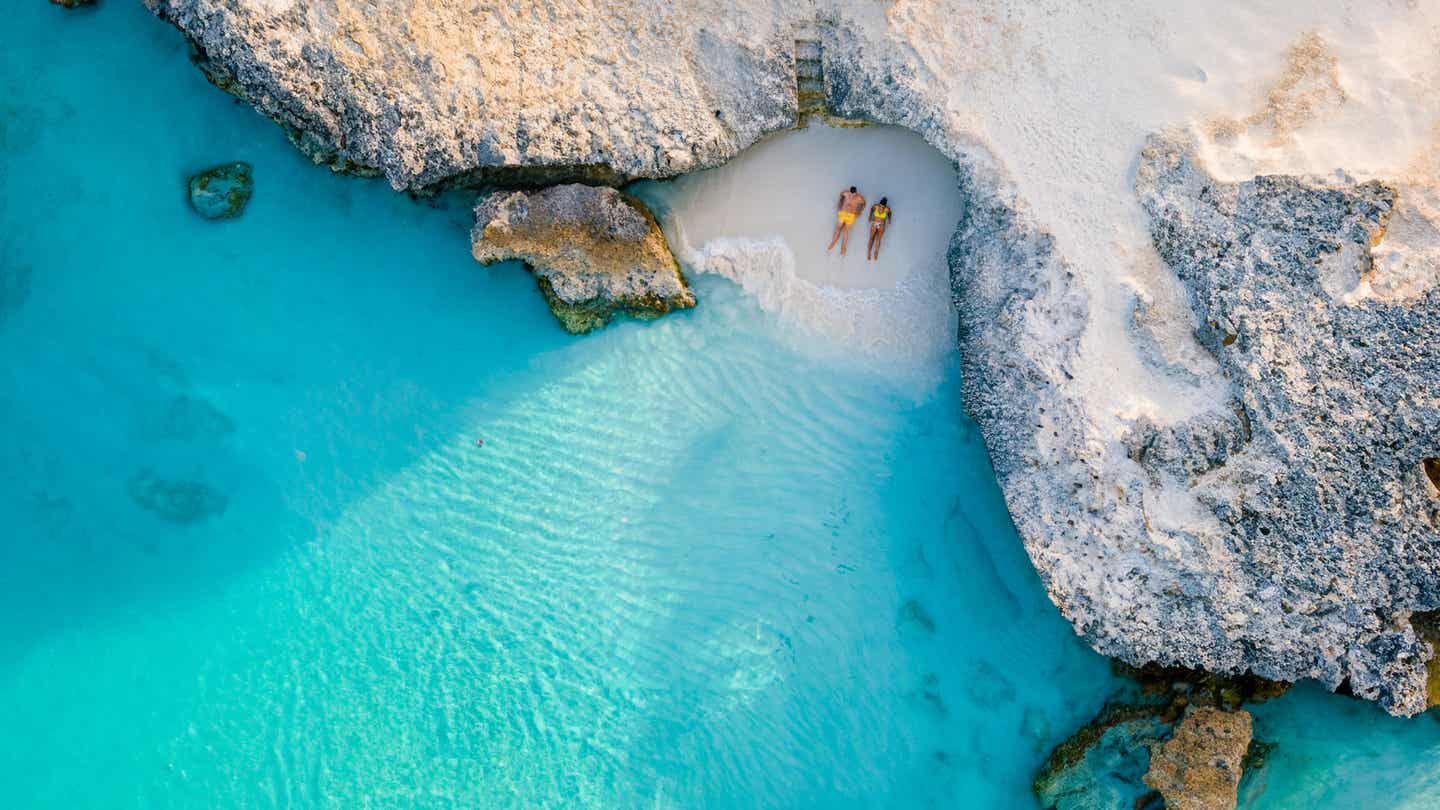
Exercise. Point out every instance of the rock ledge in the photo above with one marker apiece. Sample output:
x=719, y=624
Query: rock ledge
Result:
x=595, y=252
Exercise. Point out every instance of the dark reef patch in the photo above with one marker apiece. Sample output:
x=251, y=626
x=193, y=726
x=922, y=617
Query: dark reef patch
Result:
x=175, y=500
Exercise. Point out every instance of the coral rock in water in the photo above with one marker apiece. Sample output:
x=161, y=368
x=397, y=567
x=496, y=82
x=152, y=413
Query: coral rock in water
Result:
x=1102, y=765
x=175, y=500
x=595, y=252
x=222, y=192
x=1199, y=767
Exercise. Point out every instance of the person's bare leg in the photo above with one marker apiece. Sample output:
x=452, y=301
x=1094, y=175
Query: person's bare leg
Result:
x=879, y=235
x=870, y=245
x=839, y=226
x=845, y=240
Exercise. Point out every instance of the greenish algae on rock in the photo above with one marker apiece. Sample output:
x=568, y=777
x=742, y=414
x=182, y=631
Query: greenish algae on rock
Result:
x=1106, y=759
x=1427, y=627
x=221, y=192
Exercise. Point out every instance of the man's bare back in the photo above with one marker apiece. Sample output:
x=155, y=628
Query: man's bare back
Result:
x=851, y=203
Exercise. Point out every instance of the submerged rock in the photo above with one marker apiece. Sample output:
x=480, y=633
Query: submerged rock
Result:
x=223, y=191
x=73, y=3
x=177, y=501
x=1105, y=763
x=594, y=251
x=1180, y=687
x=15, y=279
x=1101, y=765
x=1199, y=767
x=186, y=418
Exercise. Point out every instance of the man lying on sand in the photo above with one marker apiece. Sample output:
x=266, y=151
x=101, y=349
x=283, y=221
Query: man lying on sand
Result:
x=850, y=206
x=879, y=218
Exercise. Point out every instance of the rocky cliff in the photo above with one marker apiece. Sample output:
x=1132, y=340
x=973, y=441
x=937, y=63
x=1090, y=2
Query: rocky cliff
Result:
x=437, y=91
x=1208, y=399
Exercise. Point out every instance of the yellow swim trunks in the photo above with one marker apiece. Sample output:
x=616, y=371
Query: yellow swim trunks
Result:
x=846, y=218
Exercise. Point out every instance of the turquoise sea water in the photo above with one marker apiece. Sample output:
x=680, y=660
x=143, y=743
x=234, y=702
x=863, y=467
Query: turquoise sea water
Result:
x=692, y=566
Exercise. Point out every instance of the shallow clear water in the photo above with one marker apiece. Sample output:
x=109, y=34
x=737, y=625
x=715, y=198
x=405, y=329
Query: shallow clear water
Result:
x=695, y=564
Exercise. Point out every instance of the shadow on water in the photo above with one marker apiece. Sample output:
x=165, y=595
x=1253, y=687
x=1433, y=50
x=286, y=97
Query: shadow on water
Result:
x=183, y=400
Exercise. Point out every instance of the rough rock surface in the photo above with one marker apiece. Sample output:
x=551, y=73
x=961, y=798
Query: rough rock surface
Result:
x=594, y=251
x=73, y=3
x=1199, y=767
x=1324, y=538
x=222, y=192
x=434, y=91
x=1182, y=499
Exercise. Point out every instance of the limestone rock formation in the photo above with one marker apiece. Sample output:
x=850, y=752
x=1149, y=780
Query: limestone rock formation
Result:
x=1322, y=539
x=1199, y=767
x=222, y=192
x=594, y=251
x=1249, y=499
x=434, y=92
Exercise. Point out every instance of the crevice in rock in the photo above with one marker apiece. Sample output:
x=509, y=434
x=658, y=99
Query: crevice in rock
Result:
x=1432, y=471
x=527, y=177
x=1426, y=624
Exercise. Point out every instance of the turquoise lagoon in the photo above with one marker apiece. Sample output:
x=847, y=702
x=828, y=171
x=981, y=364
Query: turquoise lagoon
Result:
x=696, y=564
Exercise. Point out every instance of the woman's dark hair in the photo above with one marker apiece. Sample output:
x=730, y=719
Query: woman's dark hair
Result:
x=852, y=189
x=884, y=200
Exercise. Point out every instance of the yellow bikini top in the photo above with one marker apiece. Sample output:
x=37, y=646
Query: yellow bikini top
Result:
x=881, y=211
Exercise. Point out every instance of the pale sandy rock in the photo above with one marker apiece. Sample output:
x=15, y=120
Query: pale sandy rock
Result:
x=1078, y=336
x=596, y=252
x=431, y=91
x=1199, y=767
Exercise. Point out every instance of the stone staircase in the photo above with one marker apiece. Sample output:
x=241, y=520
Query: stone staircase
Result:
x=809, y=74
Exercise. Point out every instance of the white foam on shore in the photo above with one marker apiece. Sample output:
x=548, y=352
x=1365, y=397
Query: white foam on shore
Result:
x=764, y=220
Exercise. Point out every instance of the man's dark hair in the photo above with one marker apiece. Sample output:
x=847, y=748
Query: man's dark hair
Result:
x=884, y=200
x=852, y=189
